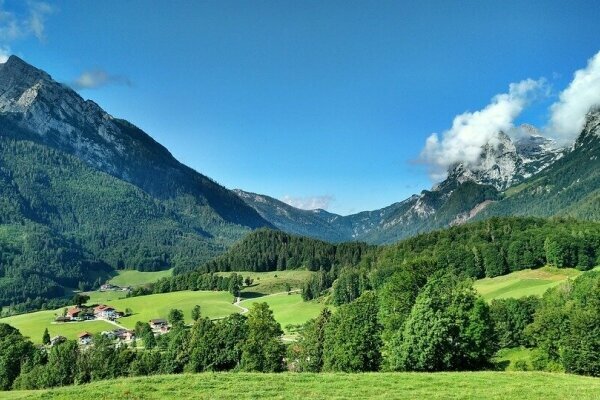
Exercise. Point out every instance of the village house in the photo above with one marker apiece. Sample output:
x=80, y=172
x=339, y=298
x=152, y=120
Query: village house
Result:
x=60, y=318
x=84, y=338
x=108, y=286
x=74, y=314
x=158, y=324
x=124, y=334
x=105, y=312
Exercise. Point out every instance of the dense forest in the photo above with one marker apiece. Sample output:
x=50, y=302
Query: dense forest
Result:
x=488, y=248
x=89, y=223
x=269, y=250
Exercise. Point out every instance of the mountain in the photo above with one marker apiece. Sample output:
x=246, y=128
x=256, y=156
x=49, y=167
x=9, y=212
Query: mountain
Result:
x=568, y=187
x=505, y=162
x=318, y=224
x=51, y=113
x=466, y=191
x=83, y=193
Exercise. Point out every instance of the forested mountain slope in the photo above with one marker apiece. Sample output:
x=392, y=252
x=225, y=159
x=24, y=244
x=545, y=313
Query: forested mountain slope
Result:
x=83, y=193
x=34, y=106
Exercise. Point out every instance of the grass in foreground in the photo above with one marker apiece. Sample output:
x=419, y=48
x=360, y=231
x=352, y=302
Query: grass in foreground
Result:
x=138, y=278
x=528, y=282
x=448, y=385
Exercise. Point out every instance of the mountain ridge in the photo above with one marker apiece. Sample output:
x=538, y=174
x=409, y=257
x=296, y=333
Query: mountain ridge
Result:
x=466, y=193
x=55, y=115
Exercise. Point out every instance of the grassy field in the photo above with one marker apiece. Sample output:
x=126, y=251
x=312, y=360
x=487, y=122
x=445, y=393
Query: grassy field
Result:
x=235, y=386
x=272, y=282
x=288, y=309
x=524, y=283
x=214, y=305
x=138, y=278
x=32, y=325
x=507, y=358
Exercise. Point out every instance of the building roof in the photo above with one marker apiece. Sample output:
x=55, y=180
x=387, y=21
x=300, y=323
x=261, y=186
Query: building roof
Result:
x=103, y=307
x=84, y=334
x=73, y=311
x=158, y=321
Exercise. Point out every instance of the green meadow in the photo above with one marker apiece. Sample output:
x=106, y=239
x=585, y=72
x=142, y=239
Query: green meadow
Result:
x=384, y=386
x=214, y=305
x=138, y=278
x=33, y=324
x=528, y=282
x=288, y=309
x=272, y=282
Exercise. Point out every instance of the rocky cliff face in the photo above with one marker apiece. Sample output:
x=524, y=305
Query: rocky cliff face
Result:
x=505, y=162
x=35, y=107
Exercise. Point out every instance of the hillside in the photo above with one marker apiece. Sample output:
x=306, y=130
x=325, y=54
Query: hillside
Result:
x=96, y=193
x=529, y=282
x=268, y=250
x=35, y=107
x=568, y=187
x=447, y=385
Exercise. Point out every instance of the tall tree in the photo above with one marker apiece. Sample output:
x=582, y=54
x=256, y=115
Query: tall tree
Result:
x=263, y=350
x=449, y=328
x=353, y=337
x=46, y=337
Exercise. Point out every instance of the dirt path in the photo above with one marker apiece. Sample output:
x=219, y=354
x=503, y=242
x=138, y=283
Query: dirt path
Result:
x=112, y=322
x=238, y=305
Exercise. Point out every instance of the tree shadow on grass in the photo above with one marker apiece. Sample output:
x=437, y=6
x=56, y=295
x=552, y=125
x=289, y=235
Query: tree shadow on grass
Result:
x=251, y=295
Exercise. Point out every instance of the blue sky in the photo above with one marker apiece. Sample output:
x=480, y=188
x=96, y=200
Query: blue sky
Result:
x=319, y=102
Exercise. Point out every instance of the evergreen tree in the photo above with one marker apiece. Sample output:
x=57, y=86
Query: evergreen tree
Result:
x=310, y=344
x=46, y=337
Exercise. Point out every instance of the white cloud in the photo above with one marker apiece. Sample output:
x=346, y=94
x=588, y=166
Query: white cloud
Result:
x=471, y=130
x=4, y=54
x=310, y=202
x=15, y=26
x=97, y=78
x=38, y=11
x=568, y=113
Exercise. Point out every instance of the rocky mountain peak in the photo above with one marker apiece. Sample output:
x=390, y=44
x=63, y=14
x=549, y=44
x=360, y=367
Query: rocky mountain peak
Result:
x=505, y=162
x=591, y=128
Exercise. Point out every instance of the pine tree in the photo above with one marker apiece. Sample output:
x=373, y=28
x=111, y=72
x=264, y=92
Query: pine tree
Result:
x=46, y=337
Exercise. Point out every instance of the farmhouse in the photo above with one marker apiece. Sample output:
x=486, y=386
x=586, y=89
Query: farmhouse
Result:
x=84, y=338
x=105, y=312
x=108, y=286
x=74, y=313
x=124, y=334
x=158, y=324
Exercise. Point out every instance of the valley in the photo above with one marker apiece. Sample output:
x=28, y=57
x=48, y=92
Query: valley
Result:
x=129, y=274
x=270, y=287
